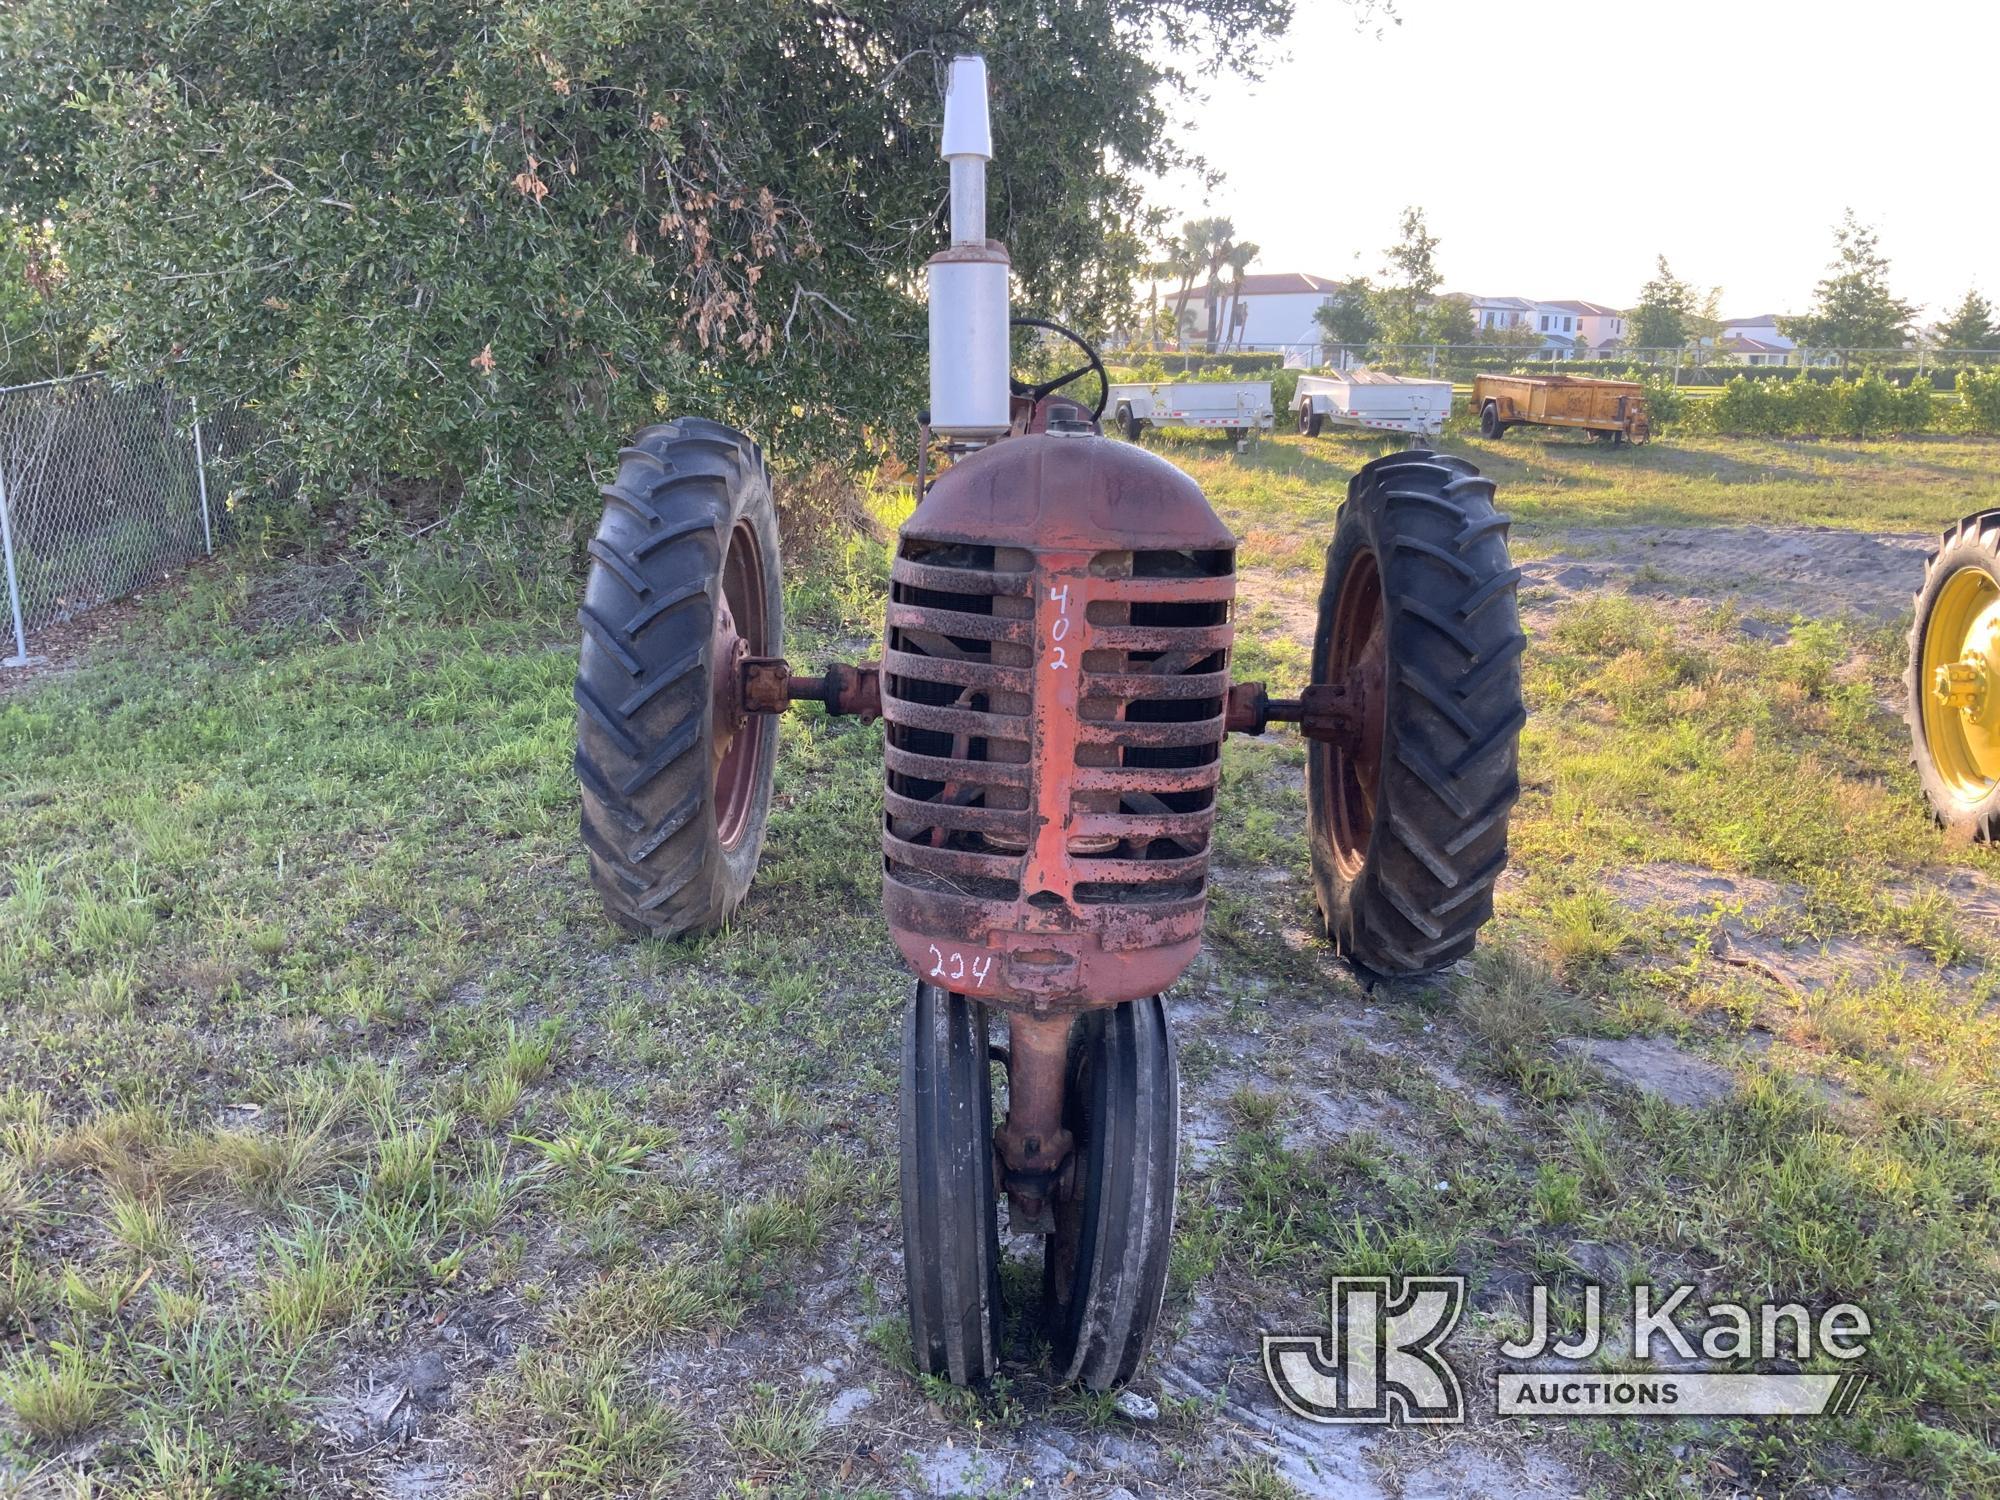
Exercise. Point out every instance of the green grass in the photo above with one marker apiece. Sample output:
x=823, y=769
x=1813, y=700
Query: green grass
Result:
x=313, y=1041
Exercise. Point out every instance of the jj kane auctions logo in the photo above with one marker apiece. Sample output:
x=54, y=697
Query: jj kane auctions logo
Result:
x=1382, y=1359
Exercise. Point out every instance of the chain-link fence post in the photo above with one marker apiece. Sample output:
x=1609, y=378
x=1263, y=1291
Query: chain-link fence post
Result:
x=201, y=478
x=20, y=658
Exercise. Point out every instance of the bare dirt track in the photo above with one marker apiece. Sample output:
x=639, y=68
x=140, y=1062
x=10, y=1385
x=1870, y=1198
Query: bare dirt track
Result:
x=1818, y=572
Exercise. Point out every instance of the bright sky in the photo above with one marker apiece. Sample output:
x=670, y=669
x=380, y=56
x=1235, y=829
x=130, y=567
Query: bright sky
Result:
x=1559, y=145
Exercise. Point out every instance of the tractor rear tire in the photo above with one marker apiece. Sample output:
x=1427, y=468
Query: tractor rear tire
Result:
x=1956, y=747
x=674, y=801
x=951, y=1222
x=1490, y=425
x=1408, y=822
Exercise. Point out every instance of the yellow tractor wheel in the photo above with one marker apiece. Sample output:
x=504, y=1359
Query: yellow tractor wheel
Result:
x=1953, y=682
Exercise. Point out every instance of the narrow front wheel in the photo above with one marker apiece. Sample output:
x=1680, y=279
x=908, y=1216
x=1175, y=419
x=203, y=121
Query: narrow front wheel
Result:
x=951, y=1223
x=1104, y=1271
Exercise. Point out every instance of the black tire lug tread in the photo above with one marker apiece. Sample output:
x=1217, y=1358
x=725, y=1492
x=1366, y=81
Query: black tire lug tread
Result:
x=1487, y=592
x=1497, y=809
x=1460, y=568
x=678, y=741
x=628, y=575
x=1475, y=531
x=1473, y=887
x=607, y=639
x=1504, y=732
x=1454, y=714
x=692, y=525
x=643, y=762
x=1433, y=859
x=659, y=604
x=668, y=887
x=672, y=673
x=1438, y=782
x=586, y=773
x=1495, y=663
x=679, y=818
x=1418, y=609
x=1440, y=699
x=606, y=719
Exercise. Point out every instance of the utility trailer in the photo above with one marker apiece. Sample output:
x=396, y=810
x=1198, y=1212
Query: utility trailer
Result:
x=1239, y=407
x=1372, y=399
x=1611, y=410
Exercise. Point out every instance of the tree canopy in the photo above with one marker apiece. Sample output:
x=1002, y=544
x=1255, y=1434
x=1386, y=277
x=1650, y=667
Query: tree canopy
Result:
x=1349, y=318
x=1410, y=281
x=480, y=243
x=1660, y=320
x=1970, y=326
x=1853, y=307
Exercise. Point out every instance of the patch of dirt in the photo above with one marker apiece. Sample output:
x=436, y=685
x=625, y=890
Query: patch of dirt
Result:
x=1293, y=597
x=1655, y=1067
x=1813, y=571
x=301, y=594
x=58, y=650
x=1758, y=924
x=1817, y=572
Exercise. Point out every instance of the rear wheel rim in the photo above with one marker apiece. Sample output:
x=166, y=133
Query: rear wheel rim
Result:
x=742, y=628
x=1357, y=653
x=1958, y=683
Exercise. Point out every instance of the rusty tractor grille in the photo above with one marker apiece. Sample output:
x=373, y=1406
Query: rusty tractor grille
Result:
x=957, y=679
x=1151, y=710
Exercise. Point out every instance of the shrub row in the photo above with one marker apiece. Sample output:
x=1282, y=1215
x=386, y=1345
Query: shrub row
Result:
x=1871, y=406
x=1462, y=365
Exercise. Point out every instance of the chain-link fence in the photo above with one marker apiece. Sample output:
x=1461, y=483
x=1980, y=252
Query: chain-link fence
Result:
x=103, y=490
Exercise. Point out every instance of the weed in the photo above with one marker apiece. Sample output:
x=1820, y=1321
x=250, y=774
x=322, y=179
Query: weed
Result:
x=775, y=1432
x=57, y=1394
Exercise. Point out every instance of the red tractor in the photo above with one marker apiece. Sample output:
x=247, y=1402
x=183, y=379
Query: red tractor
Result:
x=1055, y=690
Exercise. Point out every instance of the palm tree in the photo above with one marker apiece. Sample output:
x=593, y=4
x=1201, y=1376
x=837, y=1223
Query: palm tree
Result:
x=1239, y=257
x=1182, y=262
x=1219, y=236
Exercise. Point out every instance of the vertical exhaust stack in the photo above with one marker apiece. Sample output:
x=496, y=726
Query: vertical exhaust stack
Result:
x=968, y=282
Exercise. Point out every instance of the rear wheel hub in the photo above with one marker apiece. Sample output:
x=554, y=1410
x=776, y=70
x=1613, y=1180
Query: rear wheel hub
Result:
x=1962, y=666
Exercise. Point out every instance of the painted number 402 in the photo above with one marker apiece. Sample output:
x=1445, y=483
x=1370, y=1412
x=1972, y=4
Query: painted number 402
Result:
x=1059, y=631
x=952, y=967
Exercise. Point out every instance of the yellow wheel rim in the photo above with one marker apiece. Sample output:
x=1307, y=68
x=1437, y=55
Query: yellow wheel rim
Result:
x=1959, y=684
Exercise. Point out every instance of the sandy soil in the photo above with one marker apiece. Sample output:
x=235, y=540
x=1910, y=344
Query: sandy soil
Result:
x=1817, y=572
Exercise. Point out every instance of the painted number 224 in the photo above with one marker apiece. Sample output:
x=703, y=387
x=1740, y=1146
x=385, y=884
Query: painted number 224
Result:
x=952, y=967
